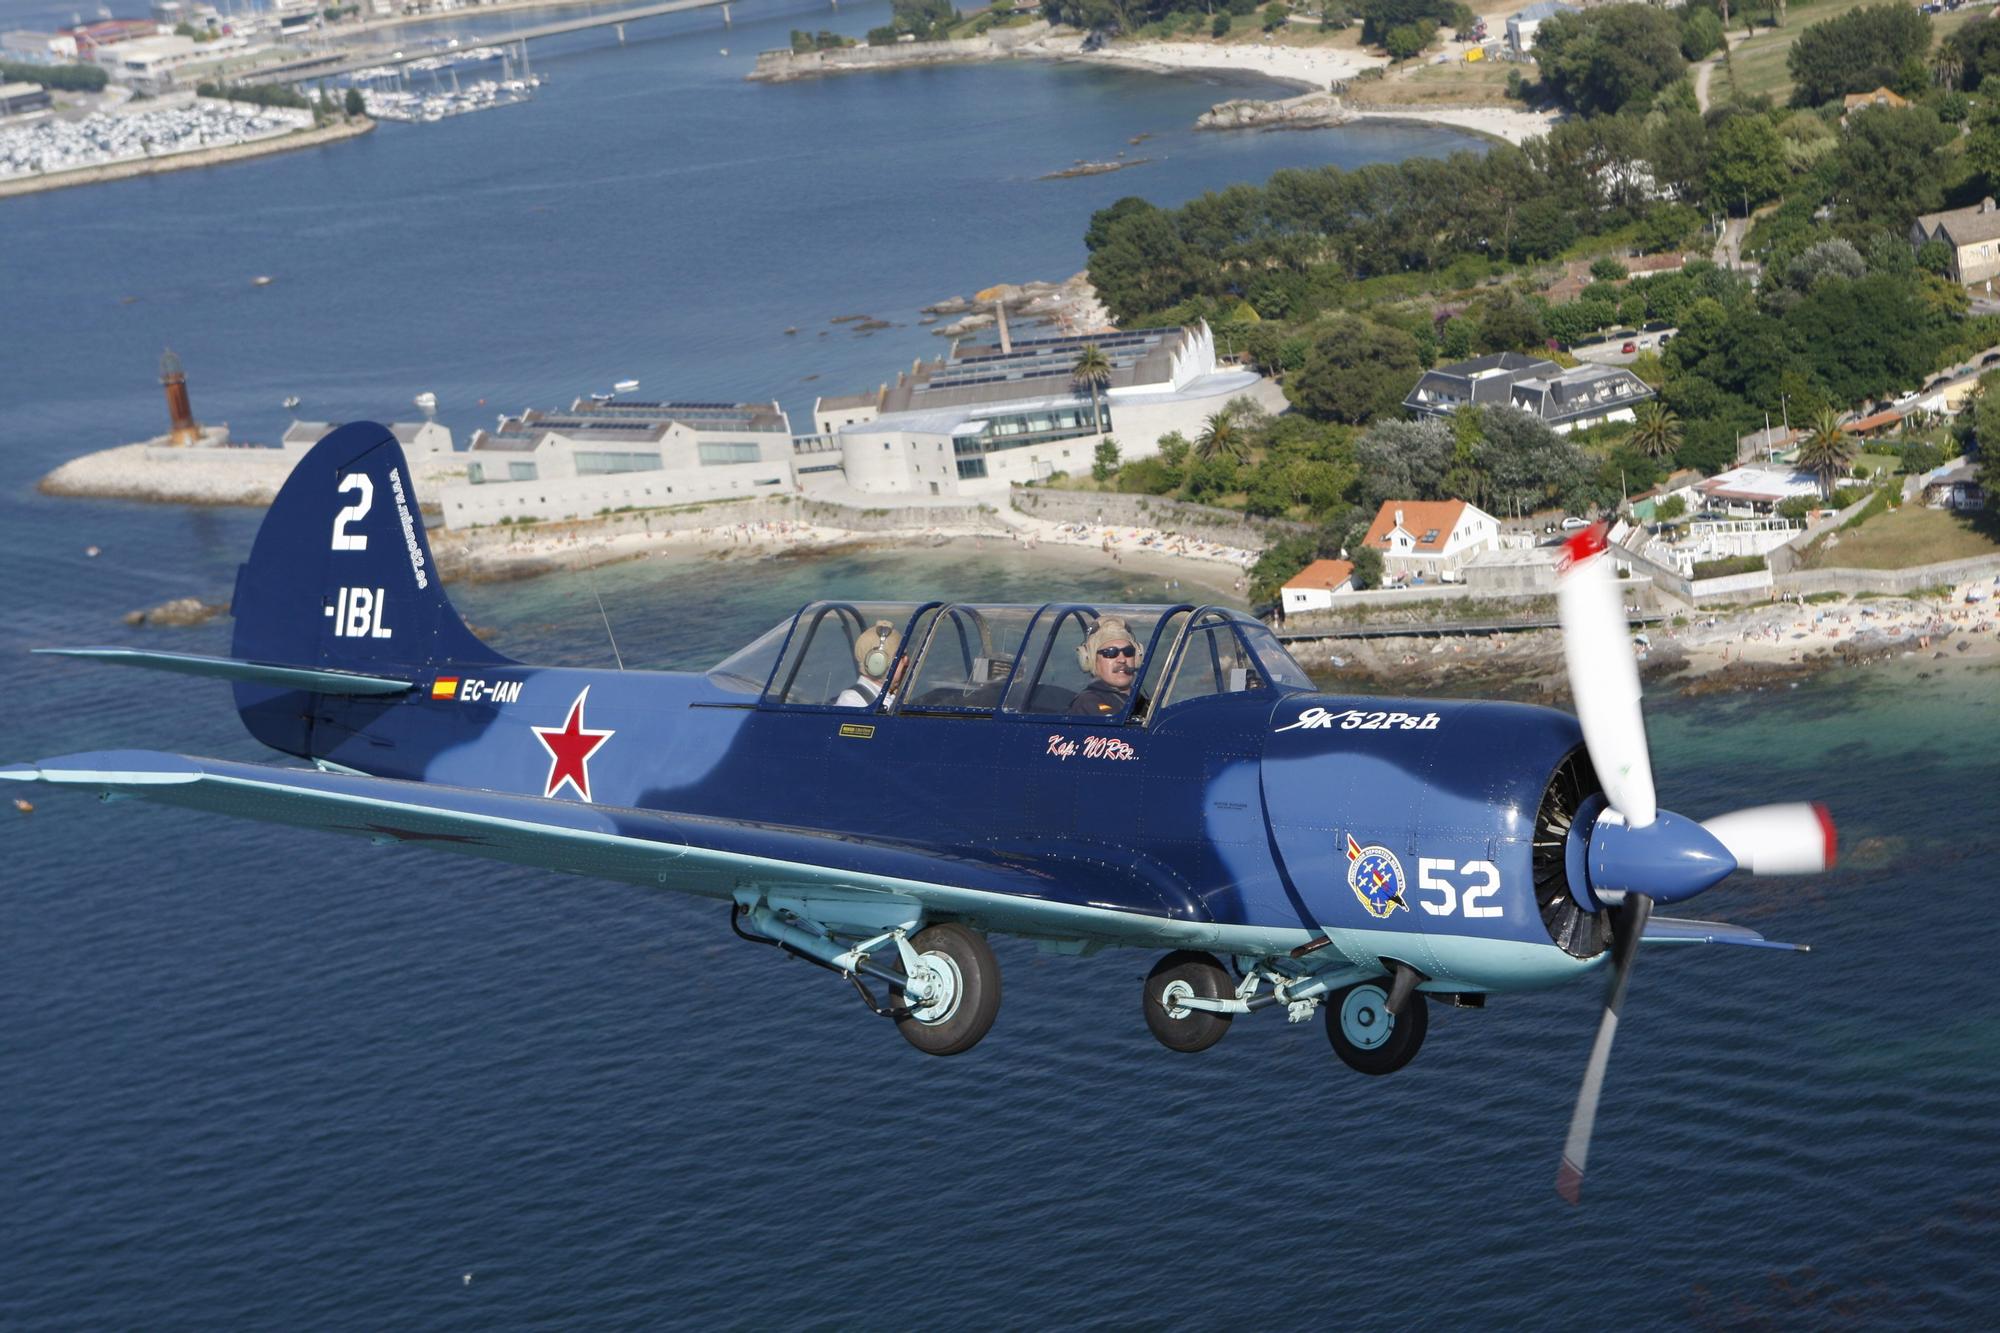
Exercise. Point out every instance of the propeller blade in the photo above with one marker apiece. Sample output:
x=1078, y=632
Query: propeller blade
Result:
x=1604, y=676
x=1628, y=926
x=1795, y=839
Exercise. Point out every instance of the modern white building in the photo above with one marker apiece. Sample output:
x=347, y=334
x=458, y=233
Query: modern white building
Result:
x=988, y=417
x=423, y=442
x=621, y=454
x=38, y=48
x=1429, y=539
x=1750, y=491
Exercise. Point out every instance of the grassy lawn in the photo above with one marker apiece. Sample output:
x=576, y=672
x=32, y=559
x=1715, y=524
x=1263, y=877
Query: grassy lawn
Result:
x=1757, y=65
x=1455, y=83
x=1912, y=535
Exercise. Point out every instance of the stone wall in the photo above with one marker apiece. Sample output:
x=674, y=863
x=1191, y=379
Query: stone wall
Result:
x=791, y=508
x=1225, y=527
x=1890, y=581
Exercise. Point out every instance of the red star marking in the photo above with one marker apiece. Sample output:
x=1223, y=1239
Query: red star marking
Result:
x=570, y=747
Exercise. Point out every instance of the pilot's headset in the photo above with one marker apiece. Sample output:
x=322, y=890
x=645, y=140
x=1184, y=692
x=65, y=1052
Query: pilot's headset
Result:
x=1103, y=632
x=876, y=649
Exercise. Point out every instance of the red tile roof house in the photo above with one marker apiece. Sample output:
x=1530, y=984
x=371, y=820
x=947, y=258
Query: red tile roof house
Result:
x=1429, y=539
x=1314, y=587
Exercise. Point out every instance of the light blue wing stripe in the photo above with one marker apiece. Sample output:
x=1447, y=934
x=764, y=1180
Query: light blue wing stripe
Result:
x=230, y=668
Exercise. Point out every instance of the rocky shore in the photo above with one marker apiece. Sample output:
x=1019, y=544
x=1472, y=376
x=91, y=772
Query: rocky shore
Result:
x=1308, y=111
x=1070, y=306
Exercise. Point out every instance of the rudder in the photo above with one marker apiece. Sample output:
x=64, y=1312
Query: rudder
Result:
x=341, y=576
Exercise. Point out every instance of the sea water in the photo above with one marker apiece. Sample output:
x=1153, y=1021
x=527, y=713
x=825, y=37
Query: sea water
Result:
x=251, y=1077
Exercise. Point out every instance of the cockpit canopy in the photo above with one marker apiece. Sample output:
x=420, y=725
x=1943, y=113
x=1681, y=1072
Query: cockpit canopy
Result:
x=969, y=660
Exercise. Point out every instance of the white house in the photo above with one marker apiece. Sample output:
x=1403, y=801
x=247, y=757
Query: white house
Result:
x=1314, y=587
x=1521, y=28
x=1430, y=539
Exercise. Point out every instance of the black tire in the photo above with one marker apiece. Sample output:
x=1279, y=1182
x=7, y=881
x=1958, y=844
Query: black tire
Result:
x=969, y=1013
x=1187, y=1029
x=1380, y=1042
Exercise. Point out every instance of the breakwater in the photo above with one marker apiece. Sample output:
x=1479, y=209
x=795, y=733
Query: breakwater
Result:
x=783, y=66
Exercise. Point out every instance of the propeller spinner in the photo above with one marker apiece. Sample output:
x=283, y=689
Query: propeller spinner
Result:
x=1632, y=854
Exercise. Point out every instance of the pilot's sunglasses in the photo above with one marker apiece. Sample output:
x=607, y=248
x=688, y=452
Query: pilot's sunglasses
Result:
x=1127, y=651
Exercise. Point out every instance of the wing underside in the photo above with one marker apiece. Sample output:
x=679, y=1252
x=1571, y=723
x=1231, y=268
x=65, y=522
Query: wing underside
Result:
x=687, y=853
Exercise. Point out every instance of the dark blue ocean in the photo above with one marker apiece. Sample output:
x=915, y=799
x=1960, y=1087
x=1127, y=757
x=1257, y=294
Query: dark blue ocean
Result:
x=252, y=1078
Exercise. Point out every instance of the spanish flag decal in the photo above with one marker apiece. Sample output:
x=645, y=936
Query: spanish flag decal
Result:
x=444, y=687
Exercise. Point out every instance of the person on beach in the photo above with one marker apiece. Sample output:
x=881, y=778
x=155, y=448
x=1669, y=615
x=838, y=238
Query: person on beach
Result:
x=1113, y=659
x=874, y=651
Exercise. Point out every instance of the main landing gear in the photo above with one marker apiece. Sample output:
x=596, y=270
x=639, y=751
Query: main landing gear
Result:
x=1376, y=1024
x=944, y=982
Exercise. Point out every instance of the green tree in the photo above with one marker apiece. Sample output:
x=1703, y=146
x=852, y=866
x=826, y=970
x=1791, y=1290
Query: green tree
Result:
x=1092, y=371
x=1607, y=269
x=1827, y=450
x=1886, y=171
x=1274, y=16
x=1656, y=431
x=1527, y=465
x=1403, y=460
x=1856, y=52
x=1747, y=163
x=1105, y=460
x=1671, y=508
x=1220, y=26
x=1701, y=33
x=1367, y=562
x=1357, y=370
x=356, y=106
x=1174, y=449
x=1220, y=438
x=1602, y=60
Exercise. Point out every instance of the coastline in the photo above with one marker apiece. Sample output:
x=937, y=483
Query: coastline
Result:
x=1309, y=71
x=200, y=157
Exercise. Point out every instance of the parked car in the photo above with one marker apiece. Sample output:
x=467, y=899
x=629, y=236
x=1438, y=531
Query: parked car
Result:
x=1572, y=523
x=1629, y=347
x=1989, y=358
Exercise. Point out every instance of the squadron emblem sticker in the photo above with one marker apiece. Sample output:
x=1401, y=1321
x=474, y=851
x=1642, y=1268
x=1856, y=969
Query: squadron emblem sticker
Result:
x=1376, y=877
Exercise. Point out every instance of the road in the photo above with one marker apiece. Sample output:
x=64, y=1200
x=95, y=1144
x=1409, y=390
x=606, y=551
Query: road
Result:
x=346, y=61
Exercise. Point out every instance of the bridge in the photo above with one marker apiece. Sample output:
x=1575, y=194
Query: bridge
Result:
x=333, y=64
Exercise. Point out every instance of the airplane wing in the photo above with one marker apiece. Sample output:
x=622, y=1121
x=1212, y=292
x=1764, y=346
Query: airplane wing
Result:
x=688, y=853
x=1673, y=930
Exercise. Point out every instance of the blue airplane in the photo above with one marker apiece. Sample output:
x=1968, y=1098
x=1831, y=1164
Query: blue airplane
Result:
x=876, y=787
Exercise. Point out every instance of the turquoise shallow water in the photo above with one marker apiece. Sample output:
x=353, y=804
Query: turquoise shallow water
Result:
x=254, y=1079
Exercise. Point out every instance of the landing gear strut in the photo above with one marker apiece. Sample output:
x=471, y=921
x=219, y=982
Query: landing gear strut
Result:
x=944, y=983
x=962, y=991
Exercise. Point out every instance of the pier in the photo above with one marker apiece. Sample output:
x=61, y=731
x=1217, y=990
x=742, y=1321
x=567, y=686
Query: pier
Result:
x=334, y=64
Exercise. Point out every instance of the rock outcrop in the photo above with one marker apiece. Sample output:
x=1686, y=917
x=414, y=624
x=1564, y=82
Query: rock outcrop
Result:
x=1309, y=111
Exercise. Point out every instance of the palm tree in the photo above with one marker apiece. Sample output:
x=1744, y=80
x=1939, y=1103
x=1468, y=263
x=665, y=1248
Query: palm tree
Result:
x=1092, y=370
x=1219, y=436
x=1828, y=450
x=1656, y=431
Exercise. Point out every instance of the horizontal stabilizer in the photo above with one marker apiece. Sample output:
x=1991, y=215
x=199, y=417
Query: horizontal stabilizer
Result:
x=315, y=679
x=1671, y=930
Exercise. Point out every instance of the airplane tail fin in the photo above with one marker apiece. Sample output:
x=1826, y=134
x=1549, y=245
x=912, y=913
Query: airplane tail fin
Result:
x=341, y=579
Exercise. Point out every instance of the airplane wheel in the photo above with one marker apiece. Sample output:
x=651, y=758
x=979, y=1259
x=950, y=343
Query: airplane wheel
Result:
x=1184, y=973
x=1366, y=1036
x=954, y=1020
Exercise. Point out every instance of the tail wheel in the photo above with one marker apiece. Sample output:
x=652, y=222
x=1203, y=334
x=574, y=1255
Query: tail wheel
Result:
x=1366, y=1036
x=965, y=992
x=1177, y=976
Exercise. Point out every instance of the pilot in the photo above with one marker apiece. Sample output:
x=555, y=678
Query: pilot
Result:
x=873, y=652
x=1113, y=658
